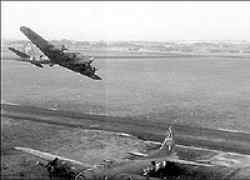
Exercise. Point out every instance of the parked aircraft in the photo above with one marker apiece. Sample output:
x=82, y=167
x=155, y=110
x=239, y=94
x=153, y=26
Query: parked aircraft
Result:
x=142, y=167
x=72, y=60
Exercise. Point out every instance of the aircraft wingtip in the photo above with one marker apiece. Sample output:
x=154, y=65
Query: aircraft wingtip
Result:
x=23, y=28
x=17, y=148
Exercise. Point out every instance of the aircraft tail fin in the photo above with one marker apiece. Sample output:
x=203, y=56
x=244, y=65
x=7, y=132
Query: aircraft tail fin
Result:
x=19, y=53
x=168, y=145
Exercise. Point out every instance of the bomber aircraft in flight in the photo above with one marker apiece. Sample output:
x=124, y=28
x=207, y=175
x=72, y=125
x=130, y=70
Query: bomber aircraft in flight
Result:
x=74, y=61
x=140, y=166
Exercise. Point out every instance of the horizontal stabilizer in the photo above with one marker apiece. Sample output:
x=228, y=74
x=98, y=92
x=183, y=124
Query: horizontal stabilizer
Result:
x=192, y=163
x=137, y=154
x=19, y=53
x=47, y=156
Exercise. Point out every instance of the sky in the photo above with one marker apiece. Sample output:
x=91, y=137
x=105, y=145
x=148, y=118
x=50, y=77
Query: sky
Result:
x=127, y=20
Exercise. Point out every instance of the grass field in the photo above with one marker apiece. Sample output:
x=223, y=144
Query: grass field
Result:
x=198, y=91
x=88, y=146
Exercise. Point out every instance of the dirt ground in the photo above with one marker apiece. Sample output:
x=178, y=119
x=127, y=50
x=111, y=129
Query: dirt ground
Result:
x=91, y=147
x=88, y=146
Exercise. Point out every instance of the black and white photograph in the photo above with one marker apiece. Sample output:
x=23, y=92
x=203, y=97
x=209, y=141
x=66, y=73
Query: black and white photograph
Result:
x=125, y=90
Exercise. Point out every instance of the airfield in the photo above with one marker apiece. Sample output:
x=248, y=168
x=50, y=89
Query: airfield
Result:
x=58, y=111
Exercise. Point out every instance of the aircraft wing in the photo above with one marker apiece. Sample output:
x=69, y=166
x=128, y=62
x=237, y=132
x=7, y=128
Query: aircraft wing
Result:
x=50, y=157
x=184, y=162
x=136, y=155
